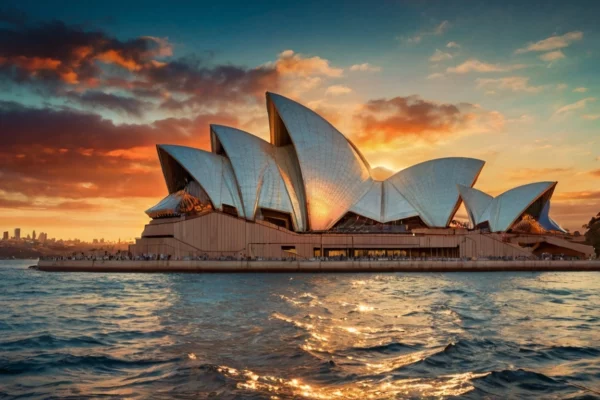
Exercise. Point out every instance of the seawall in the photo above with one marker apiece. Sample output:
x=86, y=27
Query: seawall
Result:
x=314, y=266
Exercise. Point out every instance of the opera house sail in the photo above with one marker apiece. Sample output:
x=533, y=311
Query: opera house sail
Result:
x=310, y=192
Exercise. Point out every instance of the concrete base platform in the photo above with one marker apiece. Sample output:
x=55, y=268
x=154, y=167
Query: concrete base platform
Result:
x=313, y=266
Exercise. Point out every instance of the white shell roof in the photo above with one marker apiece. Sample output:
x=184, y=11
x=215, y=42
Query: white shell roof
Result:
x=335, y=175
x=292, y=178
x=384, y=203
x=256, y=171
x=547, y=222
x=213, y=172
x=476, y=202
x=170, y=205
x=430, y=187
x=395, y=206
x=371, y=203
x=313, y=172
x=503, y=211
x=166, y=207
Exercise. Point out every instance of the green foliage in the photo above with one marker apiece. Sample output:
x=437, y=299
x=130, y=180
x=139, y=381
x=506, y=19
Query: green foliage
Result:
x=592, y=235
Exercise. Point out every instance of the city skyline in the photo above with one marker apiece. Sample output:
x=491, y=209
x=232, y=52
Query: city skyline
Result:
x=43, y=237
x=89, y=92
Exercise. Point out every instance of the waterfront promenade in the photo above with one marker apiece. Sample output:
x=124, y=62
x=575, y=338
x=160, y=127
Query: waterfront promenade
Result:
x=199, y=266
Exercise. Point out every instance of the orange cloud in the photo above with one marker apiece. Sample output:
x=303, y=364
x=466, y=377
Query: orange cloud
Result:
x=512, y=83
x=36, y=63
x=575, y=106
x=582, y=195
x=290, y=63
x=573, y=209
x=82, y=52
x=69, y=77
x=532, y=174
x=115, y=57
x=474, y=65
x=336, y=90
x=134, y=153
x=365, y=67
x=74, y=155
x=572, y=215
x=31, y=66
x=552, y=43
x=552, y=56
x=56, y=52
x=383, y=122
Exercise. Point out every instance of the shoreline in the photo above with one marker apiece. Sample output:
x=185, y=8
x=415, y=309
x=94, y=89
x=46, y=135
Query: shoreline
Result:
x=197, y=266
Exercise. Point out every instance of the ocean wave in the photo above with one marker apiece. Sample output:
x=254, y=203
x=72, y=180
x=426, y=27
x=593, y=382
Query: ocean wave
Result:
x=96, y=363
x=48, y=341
x=388, y=348
x=314, y=336
x=521, y=382
x=567, y=353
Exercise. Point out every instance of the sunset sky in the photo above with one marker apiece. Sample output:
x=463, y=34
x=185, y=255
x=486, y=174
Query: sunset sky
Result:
x=89, y=89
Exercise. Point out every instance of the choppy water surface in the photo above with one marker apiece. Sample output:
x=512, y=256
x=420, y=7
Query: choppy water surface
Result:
x=321, y=336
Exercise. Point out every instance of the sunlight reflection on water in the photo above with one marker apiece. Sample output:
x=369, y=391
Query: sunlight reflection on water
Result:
x=321, y=336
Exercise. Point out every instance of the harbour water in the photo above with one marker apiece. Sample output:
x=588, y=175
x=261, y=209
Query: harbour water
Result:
x=315, y=336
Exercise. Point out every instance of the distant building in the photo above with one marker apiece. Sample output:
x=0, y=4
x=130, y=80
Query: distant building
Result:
x=17, y=233
x=5, y=235
x=33, y=235
x=309, y=192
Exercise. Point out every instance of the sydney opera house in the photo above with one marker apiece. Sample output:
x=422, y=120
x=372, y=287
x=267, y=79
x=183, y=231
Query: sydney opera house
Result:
x=311, y=193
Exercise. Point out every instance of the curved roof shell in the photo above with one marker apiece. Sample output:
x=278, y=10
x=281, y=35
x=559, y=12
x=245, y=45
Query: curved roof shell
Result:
x=370, y=204
x=504, y=210
x=213, y=172
x=430, y=187
x=289, y=169
x=547, y=222
x=475, y=201
x=314, y=173
x=169, y=206
x=181, y=201
x=384, y=203
x=256, y=171
x=334, y=174
x=395, y=206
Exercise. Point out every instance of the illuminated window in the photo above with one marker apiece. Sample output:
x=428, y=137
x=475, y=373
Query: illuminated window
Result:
x=336, y=252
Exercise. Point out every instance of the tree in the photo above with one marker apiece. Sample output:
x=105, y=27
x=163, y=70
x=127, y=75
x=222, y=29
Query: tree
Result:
x=592, y=235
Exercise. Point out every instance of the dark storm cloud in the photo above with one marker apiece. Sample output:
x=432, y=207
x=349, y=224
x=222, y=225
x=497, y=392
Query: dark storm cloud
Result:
x=109, y=101
x=66, y=60
x=65, y=153
x=209, y=84
x=56, y=52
